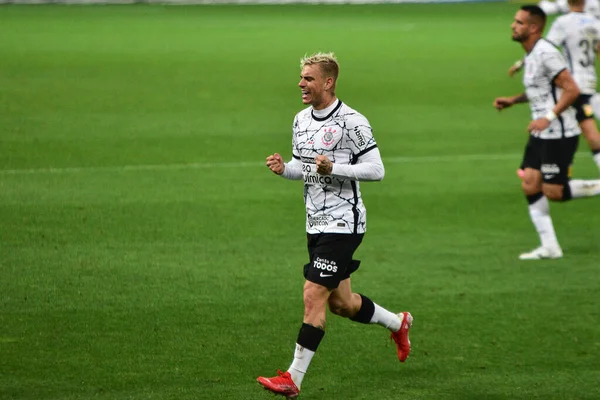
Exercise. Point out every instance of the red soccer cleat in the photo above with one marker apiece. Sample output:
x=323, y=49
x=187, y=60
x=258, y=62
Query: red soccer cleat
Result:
x=401, y=337
x=281, y=384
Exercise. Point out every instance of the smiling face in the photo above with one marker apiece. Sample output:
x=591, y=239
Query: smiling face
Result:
x=317, y=89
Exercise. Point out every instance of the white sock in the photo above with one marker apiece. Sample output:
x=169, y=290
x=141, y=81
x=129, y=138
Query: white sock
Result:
x=540, y=216
x=596, y=158
x=584, y=188
x=595, y=103
x=386, y=318
x=302, y=358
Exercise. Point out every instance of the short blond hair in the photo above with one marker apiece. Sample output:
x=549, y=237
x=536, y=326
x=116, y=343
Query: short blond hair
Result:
x=328, y=64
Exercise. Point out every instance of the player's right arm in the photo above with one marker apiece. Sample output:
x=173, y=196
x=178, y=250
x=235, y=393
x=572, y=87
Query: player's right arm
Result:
x=289, y=170
x=500, y=103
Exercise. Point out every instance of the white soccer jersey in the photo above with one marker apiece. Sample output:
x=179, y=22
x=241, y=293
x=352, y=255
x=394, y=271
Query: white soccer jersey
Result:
x=333, y=205
x=543, y=63
x=592, y=7
x=578, y=34
x=562, y=6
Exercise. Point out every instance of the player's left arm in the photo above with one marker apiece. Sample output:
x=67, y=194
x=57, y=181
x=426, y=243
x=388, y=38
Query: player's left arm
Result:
x=369, y=167
x=366, y=160
x=570, y=92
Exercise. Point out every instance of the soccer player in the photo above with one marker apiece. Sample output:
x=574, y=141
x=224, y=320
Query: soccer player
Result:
x=578, y=34
x=554, y=132
x=333, y=149
x=562, y=7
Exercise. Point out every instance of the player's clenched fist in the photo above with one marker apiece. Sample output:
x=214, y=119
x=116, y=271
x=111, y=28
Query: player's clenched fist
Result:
x=324, y=166
x=275, y=163
x=503, y=102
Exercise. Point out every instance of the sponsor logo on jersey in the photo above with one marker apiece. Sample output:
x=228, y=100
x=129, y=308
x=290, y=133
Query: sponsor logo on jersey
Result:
x=550, y=169
x=317, y=179
x=325, y=265
x=327, y=138
x=359, y=136
x=320, y=220
x=311, y=177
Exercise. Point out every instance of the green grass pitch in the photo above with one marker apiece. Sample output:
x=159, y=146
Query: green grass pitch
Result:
x=147, y=253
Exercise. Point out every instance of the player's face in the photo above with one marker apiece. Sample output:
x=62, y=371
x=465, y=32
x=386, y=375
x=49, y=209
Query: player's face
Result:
x=520, y=26
x=313, y=84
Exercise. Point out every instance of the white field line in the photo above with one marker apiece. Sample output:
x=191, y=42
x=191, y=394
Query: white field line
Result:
x=247, y=164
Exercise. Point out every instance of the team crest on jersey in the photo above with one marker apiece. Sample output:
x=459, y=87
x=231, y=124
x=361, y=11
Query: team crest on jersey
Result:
x=327, y=139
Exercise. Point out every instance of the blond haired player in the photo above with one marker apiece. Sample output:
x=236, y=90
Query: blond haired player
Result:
x=333, y=150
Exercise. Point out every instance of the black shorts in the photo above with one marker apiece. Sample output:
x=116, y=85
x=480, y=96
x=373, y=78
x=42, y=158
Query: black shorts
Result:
x=583, y=107
x=331, y=258
x=553, y=157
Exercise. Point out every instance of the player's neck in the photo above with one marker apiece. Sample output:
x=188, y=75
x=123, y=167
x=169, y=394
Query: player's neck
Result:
x=529, y=44
x=577, y=9
x=326, y=103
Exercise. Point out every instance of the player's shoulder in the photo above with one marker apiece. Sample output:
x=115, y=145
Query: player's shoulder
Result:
x=576, y=21
x=545, y=46
x=594, y=25
x=351, y=116
x=303, y=114
x=561, y=21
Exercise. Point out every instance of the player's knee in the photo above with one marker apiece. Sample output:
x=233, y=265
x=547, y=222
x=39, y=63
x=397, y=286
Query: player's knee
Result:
x=530, y=187
x=315, y=297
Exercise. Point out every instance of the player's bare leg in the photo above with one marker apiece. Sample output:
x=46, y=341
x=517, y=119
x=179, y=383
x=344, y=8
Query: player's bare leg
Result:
x=592, y=136
x=360, y=308
x=311, y=333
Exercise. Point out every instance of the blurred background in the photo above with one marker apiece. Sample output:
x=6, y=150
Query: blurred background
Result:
x=146, y=252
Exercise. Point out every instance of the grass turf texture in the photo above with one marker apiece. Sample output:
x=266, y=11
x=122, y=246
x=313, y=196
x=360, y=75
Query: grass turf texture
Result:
x=159, y=259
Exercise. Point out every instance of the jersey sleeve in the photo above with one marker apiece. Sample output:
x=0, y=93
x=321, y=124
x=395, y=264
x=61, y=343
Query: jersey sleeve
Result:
x=368, y=168
x=360, y=138
x=554, y=63
x=557, y=33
